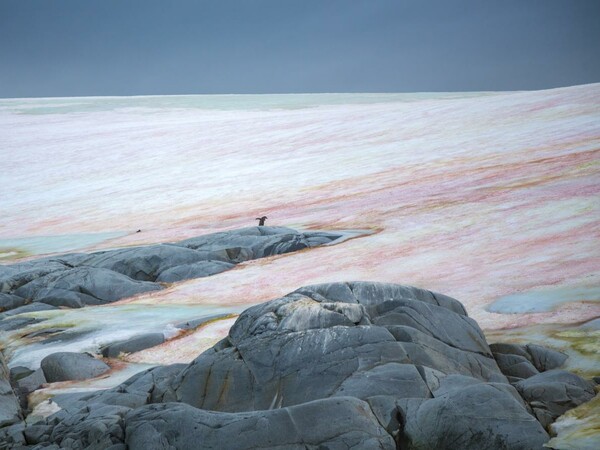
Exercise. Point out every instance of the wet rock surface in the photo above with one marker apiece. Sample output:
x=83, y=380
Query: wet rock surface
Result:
x=342, y=365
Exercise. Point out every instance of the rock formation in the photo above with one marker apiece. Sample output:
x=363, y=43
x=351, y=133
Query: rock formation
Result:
x=78, y=279
x=342, y=365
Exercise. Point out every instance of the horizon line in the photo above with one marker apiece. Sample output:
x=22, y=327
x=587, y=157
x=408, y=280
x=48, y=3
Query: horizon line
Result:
x=297, y=93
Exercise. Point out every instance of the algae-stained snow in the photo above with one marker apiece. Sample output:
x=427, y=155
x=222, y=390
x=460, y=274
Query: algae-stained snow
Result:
x=479, y=196
x=492, y=198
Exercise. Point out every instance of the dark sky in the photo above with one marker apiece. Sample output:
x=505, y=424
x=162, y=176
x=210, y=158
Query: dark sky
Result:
x=120, y=47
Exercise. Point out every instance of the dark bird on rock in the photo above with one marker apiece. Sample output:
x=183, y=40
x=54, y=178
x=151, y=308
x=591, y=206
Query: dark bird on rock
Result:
x=261, y=220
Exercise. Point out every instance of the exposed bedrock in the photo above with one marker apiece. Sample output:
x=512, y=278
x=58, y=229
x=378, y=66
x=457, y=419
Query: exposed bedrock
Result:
x=78, y=279
x=342, y=365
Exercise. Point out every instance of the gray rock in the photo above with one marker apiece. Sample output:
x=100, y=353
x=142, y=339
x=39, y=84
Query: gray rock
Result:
x=10, y=409
x=257, y=242
x=32, y=307
x=35, y=434
x=101, y=284
x=11, y=437
x=195, y=270
x=18, y=372
x=31, y=382
x=510, y=349
x=341, y=365
x=62, y=336
x=478, y=416
x=453, y=329
x=391, y=379
x=289, y=370
x=14, y=276
x=550, y=394
x=427, y=351
x=14, y=323
x=341, y=423
x=143, y=263
x=10, y=301
x=318, y=340
x=545, y=358
x=65, y=366
x=76, y=280
x=151, y=385
x=316, y=238
x=65, y=298
x=95, y=427
x=233, y=237
x=515, y=366
x=134, y=344
x=542, y=358
x=369, y=293
x=195, y=323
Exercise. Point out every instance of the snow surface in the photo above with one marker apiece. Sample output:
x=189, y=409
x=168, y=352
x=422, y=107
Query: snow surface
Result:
x=477, y=197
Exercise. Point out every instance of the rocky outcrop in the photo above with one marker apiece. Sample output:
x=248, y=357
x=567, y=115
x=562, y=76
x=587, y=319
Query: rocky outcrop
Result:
x=552, y=393
x=533, y=371
x=64, y=366
x=530, y=359
x=31, y=307
x=134, y=344
x=83, y=286
x=195, y=270
x=343, y=423
x=343, y=365
x=78, y=279
x=10, y=301
x=10, y=408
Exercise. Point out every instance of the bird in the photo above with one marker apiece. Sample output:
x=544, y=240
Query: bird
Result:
x=261, y=220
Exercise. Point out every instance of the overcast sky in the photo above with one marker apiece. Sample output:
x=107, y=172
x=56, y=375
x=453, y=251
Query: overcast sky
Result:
x=125, y=47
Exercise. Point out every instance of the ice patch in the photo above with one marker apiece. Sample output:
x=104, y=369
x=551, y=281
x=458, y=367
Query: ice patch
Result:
x=543, y=301
x=39, y=245
x=92, y=327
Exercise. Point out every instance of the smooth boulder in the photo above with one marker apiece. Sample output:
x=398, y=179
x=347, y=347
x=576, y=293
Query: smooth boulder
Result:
x=65, y=366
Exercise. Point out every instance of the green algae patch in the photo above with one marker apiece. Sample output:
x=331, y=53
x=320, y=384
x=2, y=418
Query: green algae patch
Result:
x=580, y=344
x=577, y=429
x=12, y=253
x=586, y=342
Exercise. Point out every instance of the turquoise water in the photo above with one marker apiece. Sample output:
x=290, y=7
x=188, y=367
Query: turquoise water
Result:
x=543, y=301
x=213, y=102
x=39, y=245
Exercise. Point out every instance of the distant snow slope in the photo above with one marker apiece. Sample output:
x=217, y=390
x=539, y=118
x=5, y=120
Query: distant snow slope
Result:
x=477, y=196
